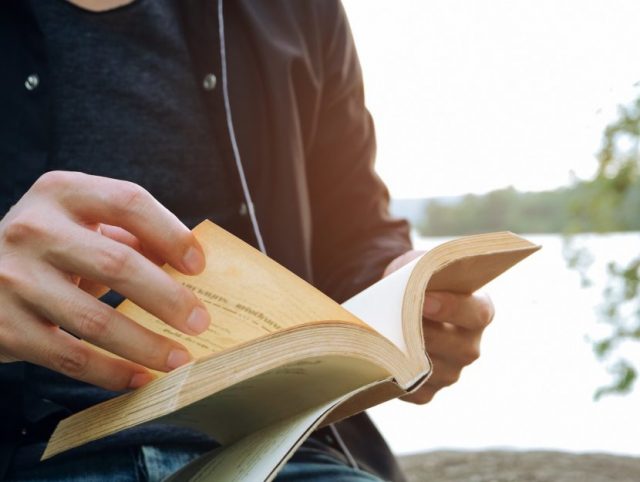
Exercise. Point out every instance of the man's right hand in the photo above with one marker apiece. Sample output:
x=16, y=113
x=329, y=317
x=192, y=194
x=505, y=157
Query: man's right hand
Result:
x=67, y=240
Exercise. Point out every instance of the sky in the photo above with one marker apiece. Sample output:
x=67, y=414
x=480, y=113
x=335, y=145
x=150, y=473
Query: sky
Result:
x=471, y=96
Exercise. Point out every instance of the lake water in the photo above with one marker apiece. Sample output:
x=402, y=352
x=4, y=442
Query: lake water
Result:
x=533, y=385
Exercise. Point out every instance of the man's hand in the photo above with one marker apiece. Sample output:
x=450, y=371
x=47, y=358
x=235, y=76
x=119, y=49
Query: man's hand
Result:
x=453, y=325
x=71, y=237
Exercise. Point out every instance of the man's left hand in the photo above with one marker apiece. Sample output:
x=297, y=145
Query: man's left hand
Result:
x=453, y=325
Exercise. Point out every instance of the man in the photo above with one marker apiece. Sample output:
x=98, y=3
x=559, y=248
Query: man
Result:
x=125, y=122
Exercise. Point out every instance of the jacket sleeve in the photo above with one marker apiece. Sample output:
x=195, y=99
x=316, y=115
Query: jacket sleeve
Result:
x=354, y=237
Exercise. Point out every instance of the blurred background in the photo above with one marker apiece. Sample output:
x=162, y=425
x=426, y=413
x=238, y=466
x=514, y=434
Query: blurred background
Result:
x=525, y=116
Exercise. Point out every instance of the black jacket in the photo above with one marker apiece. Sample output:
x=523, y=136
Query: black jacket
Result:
x=304, y=134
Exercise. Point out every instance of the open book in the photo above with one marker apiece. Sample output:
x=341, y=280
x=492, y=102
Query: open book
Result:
x=279, y=350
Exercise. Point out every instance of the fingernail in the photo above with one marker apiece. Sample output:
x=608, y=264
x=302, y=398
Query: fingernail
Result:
x=193, y=260
x=177, y=358
x=432, y=305
x=140, y=379
x=198, y=320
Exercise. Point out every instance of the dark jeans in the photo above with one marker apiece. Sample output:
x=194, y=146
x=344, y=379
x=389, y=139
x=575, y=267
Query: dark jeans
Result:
x=153, y=464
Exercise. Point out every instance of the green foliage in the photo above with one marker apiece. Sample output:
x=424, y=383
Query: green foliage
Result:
x=614, y=202
x=624, y=377
x=621, y=311
x=579, y=259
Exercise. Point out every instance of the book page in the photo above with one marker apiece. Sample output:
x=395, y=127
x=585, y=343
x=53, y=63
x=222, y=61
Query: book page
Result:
x=254, y=403
x=257, y=456
x=393, y=305
x=247, y=294
x=380, y=305
x=462, y=266
x=260, y=455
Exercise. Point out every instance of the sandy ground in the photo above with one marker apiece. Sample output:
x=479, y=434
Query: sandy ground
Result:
x=499, y=466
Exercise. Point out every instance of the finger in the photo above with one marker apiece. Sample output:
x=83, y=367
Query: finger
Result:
x=94, y=289
x=472, y=312
x=122, y=236
x=95, y=199
x=38, y=341
x=422, y=395
x=97, y=258
x=450, y=342
x=125, y=237
x=444, y=373
x=94, y=321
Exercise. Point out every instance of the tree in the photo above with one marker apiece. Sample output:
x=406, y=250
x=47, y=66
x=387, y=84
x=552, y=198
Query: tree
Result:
x=611, y=202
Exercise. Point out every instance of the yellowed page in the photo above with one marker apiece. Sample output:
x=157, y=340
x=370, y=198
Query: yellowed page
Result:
x=280, y=362
x=463, y=266
x=235, y=392
x=274, y=395
x=247, y=294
